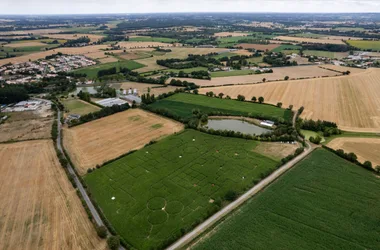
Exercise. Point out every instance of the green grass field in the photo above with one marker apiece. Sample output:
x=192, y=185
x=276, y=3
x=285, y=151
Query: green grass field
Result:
x=182, y=105
x=152, y=39
x=338, y=55
x=171, y=185
x=309, y=133
x=308, y=35
x=286, y=47
x=365, y=45
x=232, y=73
x=324, y=202
x=92, y=71
x=75, y=106
x=189, y=70
x=19, y=51
x=225, y=54
x=349, y=29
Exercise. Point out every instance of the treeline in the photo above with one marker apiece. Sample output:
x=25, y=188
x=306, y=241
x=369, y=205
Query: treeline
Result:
x=104, y=72
x=11, y=94
x=352, y=157
x=186, y=84
x=76, y=42
x=328, y=128
x=106, y=111
x=200, y=74
x=191, y=61
x=327, y=47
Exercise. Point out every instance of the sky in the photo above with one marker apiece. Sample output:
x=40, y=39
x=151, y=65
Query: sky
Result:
x=158, y=6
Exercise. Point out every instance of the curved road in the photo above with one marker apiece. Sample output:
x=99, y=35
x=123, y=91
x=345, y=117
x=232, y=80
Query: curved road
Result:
x=232, y=206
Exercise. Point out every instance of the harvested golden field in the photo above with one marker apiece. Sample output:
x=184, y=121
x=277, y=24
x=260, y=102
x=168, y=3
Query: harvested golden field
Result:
x=26, y=44
x=230, y=34
x=367, y=149
x=39, y=55
x=308, y=40
x=39, y=208
x=26, y=125
x=177, y=52
x=353, y=102
x=341, y=38
x=108, y=59
x=293, y=72
x=93, y=37
x=105, y=139
x=242, y=52
x=342, y=68
x=142, y=88
x=263, y=47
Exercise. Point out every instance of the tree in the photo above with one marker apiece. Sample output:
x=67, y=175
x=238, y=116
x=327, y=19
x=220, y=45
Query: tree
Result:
x=228, y=97
x=261, y=99
x=254, y=99
x=290, y=107
x=286, y=78
x=230, y=195
x=367, y=164
x=264, y=79
x=352, y=157
x=195, y=91
x=377, y=169
x=241, y=98
x=101, y=230
x=113, y=242
x=279, y=104
x=221, y=95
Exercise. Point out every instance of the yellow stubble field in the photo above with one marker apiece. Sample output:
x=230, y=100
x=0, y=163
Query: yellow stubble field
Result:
x=105, y=139
x=39, y=208
x=353, y=102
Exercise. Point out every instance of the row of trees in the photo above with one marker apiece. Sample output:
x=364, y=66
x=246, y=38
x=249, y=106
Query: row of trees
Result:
x=104, y=72
x=328, y=128
x=186, y=84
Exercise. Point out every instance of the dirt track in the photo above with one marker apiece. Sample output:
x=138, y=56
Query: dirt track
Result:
x=353, y=102
x=367, y=149
x=39, y=208
x=107, y=138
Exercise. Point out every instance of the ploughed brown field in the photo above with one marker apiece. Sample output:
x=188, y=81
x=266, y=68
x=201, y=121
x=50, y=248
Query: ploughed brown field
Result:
x=105, y=139
x=257, y=46
x=39, y=208
x=367, y=149
x=353, y=102
x=293, y=72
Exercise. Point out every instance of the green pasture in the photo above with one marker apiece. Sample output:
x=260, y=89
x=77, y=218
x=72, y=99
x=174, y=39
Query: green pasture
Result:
x=92, y=71
x=283, y=48
x=171, y=186
x=152, y=39
x=365, y=45
x=232, y=73
x=324, y=202
x=182, y=105
x=338, y=55
x=75, y=106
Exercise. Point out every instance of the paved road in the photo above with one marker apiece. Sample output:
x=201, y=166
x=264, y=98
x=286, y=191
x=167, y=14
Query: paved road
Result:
x=80, y=187
x=228, y=209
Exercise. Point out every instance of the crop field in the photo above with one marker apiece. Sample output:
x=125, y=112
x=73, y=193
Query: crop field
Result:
x=189, y=70
x=367, y=149
x=342, y=68
x=105, y=139
x=40, y=208
x=25, y=44
x=79, y=107
x=308, y=35
x=177, y=52
x=182, y=105
x=92, y=71
x=93, y=37
x=308, y=40
x=373, y=45
x=294, y=72
x=26, y=126
x=263, y=47
x=151, y=39
x=232, y=34
x=174, y=184
x=350, y=101
x=232, y=73
x=338, y=55
x=283, y=48
x=324, y=202
x=276, y=150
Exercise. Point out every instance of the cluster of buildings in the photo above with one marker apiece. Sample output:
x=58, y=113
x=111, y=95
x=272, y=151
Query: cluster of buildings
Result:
x=29, y=105
x=30, y=72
